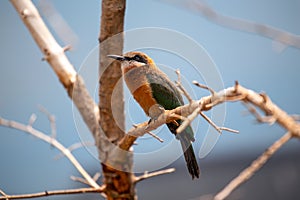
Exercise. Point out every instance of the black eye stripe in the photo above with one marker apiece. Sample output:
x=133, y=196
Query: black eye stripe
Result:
x=139, y=58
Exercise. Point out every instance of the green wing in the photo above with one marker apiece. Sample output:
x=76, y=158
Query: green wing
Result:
x=164, y=91
x=167, y=95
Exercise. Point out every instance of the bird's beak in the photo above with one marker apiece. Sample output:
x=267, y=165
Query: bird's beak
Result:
x=116, y=57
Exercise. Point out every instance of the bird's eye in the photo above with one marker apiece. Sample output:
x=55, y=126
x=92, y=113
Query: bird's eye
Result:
x=139, y=58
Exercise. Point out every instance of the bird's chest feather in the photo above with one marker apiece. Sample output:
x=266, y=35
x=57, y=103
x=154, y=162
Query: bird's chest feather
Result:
x=139, y=87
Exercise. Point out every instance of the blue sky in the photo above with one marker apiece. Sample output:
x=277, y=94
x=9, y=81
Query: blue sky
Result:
x=27, y=82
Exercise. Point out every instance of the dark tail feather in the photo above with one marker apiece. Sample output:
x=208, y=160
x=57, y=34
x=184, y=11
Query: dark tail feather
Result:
x=189, y=155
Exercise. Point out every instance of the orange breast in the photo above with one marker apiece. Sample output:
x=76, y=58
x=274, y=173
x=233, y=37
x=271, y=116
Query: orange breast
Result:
x=144, y=97
x=139, y=87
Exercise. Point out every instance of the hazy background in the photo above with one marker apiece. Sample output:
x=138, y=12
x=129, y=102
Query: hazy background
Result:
x=28, y=165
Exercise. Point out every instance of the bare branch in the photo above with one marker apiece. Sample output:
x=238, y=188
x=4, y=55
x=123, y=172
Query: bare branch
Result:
x=152, y=134
x=179, y=85
x=32, y=119
x=79, y=179
x=212, y=92
x=96, y=176
x=147, y=175
x=4, y=195
x=52, y=141
x=261, y=119
x=219, y=129
x=236, y=93
x=55, y=192
x=57, y=22
x=54, y=54
x=228, y=129
x=188, y=120
x=255, y=166
x=51, y=119
x=74, y=147
x=268, y=31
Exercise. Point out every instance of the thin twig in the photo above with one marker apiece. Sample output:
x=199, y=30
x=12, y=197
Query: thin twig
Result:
x=255, y=166
x=188, y=120
x=57, y=22
x=152, y=134
x=82, y=180
x=29, y=129
x=79, y=179
x=210, y=122
x=32, y=119
x=96, y=176
x=179, y=85
x=212, y=92
x=55, y=192
x=4, y=194
x=219, y=129
x=261, y=119
x=147, y=175
x=74, y=147
x=51, y=119
x=228, y=129
x=234, y=23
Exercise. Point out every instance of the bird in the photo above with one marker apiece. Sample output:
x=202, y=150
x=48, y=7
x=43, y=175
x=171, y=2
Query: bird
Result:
x=155, y=92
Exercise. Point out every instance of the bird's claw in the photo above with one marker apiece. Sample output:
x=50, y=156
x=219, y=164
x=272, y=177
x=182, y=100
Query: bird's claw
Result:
x=154, y=112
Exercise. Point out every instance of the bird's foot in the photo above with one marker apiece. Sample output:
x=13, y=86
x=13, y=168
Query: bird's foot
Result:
x=154, y=112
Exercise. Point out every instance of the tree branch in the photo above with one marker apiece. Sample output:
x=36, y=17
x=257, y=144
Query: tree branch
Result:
x=73, y=83
x=219, y=129
x=147, y=175
x=74, y=147
x=236, y=93
x=54, y=55
x=29, y=129
x=268, y=31
x=255, y=166
x=55, y=192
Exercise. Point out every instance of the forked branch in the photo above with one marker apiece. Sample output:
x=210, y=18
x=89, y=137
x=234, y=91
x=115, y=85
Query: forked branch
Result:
x=29, y=129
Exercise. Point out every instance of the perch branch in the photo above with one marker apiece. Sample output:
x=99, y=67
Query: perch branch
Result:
x=236, y=93
x=29, y=129
x=255, y=166
x=55, y=192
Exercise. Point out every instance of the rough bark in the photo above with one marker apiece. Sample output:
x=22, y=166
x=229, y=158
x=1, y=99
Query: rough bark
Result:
x=119, y=183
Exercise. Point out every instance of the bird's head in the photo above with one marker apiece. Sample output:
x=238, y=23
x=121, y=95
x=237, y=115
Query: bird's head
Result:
x=133, y=59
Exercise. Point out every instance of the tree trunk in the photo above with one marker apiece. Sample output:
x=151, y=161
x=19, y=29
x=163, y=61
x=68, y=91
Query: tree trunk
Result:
x=119, y=184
